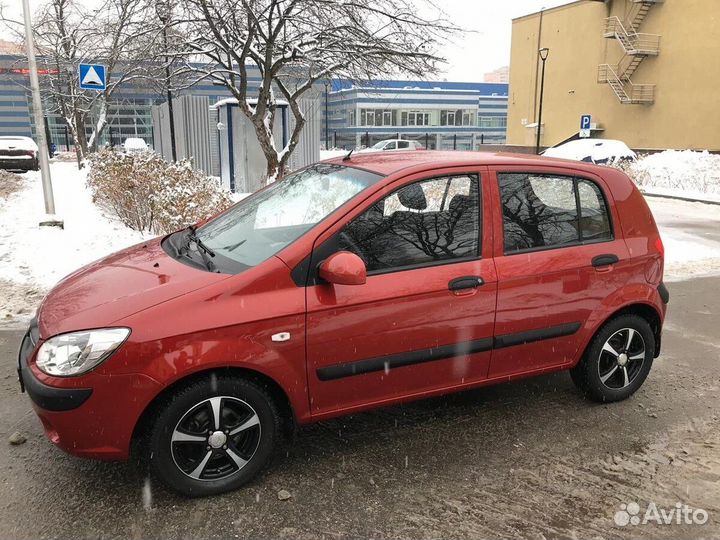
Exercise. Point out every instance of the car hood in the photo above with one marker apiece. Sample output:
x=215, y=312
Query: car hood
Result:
x=117, y=286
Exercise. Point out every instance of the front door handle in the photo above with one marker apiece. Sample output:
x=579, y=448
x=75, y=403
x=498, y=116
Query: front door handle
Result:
x=605, y=260
x=465, y=282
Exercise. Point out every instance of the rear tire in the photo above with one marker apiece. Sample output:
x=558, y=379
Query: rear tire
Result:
x=617, y=361
x=193, y=455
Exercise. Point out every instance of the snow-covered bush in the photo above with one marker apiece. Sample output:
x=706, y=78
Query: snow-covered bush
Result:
x=638, y=176
x=684, y=171
x=150, y=194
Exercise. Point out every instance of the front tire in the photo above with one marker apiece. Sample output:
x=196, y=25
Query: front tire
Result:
x=214, y=435
x=617, y=361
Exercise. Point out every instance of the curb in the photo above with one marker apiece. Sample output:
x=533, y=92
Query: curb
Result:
x=679, y=198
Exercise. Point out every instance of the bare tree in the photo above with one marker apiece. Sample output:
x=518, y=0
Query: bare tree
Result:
x=296, y=43
x=116, y=34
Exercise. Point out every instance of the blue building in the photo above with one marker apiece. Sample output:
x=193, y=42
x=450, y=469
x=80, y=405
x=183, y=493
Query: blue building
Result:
x=440, y=115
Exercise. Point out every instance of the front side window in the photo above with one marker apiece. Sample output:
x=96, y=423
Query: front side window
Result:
x=546, y=211
x=263, y=224
x=422, y=223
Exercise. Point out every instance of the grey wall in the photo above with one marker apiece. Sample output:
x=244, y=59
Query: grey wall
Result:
x=194, y=139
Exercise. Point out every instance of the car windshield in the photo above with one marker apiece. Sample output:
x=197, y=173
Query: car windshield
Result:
x=263, y=224
x=379, y=146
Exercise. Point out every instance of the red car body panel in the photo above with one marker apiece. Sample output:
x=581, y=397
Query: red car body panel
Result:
x=185, y=321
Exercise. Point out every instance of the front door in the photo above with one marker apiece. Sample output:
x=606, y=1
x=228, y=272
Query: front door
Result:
x=557, y=260
x=423, y=322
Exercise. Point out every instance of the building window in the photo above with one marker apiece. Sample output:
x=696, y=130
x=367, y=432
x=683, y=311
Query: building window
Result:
x=459, y=117
x=376, y=117
x=415, y=118
x=492, y=121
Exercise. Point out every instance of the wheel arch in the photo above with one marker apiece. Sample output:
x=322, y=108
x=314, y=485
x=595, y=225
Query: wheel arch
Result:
x=642, y=309
x=274, y=389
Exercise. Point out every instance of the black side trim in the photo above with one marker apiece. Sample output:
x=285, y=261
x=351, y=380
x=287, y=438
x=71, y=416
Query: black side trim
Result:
x=521, y=338
x=47, y=397
x=360, y=367
x=664, y=293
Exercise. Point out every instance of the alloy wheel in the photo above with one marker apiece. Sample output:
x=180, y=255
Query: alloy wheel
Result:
x=215, y=438
x=621, y=358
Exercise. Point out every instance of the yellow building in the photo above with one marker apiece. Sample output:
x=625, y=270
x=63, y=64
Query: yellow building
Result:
x=648, y=71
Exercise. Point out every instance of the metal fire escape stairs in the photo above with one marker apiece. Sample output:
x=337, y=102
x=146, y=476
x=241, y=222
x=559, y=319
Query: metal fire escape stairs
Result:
x=637, y=46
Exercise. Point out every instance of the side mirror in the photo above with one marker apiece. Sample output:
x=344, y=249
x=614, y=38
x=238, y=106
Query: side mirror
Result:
x=343, y=268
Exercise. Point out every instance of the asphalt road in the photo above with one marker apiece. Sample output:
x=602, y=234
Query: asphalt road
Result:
x=528, y=459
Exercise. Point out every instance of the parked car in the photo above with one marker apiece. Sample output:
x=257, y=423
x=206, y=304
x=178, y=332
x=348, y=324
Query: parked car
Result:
x=597, y=151
x=134, y=144
x=394, y=144
x=19, y=154
x=355, y=283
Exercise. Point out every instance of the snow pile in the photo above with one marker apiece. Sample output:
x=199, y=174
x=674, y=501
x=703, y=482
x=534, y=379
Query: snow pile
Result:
x=680, y=173
x=38, y=257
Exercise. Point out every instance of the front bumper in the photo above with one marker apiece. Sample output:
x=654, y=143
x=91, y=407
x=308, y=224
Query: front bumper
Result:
x=92, y=415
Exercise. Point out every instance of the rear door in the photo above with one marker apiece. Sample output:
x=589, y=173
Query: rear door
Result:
x=423, y=322
x=557, y=259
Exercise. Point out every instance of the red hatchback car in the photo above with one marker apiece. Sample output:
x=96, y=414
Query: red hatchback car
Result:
x=354, y=283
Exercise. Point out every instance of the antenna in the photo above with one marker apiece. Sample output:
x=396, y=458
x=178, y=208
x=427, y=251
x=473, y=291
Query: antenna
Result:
x=347, y=158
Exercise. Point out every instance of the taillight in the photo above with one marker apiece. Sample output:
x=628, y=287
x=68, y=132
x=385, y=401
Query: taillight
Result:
x=659, y=246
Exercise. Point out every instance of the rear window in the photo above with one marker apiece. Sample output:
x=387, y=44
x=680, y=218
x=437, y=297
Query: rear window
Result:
x=548, y=211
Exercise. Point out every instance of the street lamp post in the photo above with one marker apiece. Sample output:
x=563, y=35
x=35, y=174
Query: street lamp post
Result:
x=39, y=121
x=327, y=120
x=543, y=56
x=162, y=8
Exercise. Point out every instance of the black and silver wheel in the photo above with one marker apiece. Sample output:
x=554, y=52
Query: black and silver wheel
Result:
x=214, y=435
x=618, y=360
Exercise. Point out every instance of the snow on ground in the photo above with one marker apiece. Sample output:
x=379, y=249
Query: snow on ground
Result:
x=691, y=235
x=34, y=258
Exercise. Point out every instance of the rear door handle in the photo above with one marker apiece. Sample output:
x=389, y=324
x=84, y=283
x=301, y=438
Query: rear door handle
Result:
x=604, y=260
x=465, y=282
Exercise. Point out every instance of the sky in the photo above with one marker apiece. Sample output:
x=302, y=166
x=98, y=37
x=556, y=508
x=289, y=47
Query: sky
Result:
x=485, y=47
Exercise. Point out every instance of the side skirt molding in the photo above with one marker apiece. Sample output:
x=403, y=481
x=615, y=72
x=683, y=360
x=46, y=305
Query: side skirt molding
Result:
x=370, y=365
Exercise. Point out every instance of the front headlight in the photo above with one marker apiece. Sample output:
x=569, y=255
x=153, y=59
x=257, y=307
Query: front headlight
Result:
x=77, y=352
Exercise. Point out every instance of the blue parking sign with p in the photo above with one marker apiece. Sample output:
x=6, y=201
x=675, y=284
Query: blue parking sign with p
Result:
x=585, y=121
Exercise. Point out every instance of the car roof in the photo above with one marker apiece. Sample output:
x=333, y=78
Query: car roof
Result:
x=387, y=163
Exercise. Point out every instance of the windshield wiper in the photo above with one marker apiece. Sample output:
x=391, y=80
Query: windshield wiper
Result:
x=202, y=248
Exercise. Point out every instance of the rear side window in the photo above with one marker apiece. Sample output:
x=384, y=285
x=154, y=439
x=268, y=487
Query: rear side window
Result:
x=595, y=221
x=547, y=211
x=422, y=223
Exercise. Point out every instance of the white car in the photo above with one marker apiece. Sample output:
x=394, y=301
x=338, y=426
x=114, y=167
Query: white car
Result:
x=394, y=144
x=19, y=153
x=598, y=151
x=134, y=144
